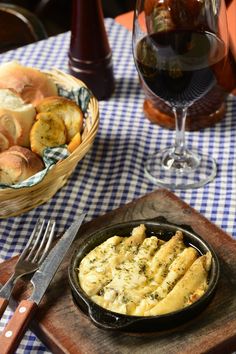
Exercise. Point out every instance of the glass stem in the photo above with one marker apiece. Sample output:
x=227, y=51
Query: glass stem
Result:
x=180, y=120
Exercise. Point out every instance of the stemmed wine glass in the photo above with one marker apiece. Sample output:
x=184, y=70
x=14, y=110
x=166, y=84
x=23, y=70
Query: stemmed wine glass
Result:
x=180, y=49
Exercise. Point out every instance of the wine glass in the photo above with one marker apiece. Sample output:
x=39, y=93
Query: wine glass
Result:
x=180, y=49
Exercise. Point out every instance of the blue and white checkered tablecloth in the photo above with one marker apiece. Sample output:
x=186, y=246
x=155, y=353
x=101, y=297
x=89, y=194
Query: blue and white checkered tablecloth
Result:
x=111, y=174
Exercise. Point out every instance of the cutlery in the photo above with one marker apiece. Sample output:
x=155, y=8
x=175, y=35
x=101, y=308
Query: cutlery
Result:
x=30, y=259
x=14, y=330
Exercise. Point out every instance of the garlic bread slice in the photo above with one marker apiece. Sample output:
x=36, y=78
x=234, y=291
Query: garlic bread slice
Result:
x=65, y=109
x=75, y=142
x=48, y=131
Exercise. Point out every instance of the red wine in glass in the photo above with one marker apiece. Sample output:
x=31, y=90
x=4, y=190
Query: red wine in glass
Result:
x=178, y=66
x=179, y=61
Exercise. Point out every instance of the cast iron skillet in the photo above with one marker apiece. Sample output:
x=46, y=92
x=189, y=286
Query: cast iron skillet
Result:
x=114, y=321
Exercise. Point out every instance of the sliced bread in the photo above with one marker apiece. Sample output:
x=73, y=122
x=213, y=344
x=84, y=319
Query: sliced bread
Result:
x=16, y=119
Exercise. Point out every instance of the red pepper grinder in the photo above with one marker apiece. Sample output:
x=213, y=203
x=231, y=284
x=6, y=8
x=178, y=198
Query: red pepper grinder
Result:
x=90, y=58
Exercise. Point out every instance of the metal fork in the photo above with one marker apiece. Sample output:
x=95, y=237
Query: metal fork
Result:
x=30, y=259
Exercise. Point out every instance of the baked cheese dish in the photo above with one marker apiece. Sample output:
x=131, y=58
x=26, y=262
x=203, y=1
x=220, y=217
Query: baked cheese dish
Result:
x=144, y=276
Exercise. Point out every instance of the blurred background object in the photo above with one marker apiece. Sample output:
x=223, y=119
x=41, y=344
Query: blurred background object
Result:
x=91, y=63
x=55, y=15
x=18, y=27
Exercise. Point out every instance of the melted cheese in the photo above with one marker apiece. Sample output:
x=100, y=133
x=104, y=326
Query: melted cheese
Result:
x=144, y=276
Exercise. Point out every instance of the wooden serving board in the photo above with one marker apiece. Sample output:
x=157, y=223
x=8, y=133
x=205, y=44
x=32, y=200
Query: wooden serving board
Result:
x=64, y=329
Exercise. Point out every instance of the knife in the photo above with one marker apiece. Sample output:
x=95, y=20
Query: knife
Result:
x=16, y=327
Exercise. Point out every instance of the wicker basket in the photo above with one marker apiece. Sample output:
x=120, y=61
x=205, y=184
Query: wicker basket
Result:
x=17, y=201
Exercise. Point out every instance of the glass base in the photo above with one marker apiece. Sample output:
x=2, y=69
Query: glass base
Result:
x=190, y=170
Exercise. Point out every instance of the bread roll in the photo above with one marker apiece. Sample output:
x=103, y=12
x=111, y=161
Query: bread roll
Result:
x=16, y=120
x=31, y=84
x=17, y=164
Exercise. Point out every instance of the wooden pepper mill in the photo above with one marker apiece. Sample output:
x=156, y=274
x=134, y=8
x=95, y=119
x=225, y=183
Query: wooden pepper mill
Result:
x=90, y=57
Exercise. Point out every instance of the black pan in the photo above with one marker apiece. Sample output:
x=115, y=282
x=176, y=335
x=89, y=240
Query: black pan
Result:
x=114, y=321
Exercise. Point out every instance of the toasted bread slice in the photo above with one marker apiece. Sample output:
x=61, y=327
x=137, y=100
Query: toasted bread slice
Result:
x=75, y=142
x=67, y=110
x=48, y=131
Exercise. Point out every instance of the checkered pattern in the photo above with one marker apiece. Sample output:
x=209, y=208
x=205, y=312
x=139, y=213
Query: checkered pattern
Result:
x=112, y=173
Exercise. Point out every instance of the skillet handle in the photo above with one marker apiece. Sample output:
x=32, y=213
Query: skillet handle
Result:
x=109, y=320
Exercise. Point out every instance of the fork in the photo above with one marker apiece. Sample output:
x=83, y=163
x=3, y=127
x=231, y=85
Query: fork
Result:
x=30, y=259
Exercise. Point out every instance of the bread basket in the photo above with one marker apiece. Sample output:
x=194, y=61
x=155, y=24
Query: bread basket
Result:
x=17, y=201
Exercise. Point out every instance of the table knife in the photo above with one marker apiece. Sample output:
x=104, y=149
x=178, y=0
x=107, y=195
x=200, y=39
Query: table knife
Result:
x=16, y=327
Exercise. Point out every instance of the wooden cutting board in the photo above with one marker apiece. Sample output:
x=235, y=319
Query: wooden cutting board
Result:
x=64, y=329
